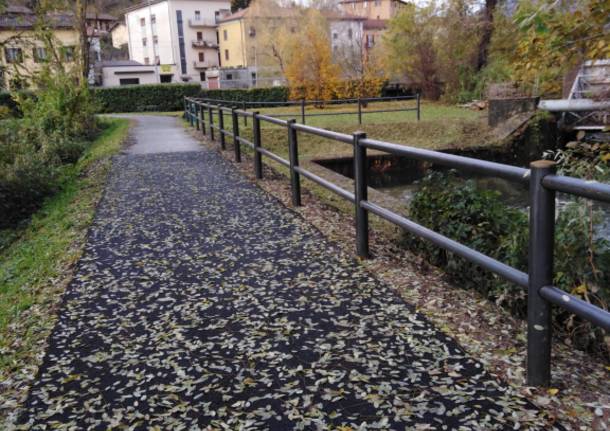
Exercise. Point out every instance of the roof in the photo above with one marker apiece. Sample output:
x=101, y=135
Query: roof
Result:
x=375, y=24
x=21, y=17
x=119, y=63
x=101, y=16
x=28, y=20
x=141, y=5
x=283, y=12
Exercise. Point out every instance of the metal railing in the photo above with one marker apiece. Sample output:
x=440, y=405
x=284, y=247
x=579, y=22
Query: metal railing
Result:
x=360, y=111
x=541, y=178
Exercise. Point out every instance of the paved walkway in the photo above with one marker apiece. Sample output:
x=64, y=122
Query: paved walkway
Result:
x=203, y=303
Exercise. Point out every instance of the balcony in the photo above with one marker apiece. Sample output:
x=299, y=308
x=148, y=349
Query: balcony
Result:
x=200, y=43
x=203, y=64
x=202, y=23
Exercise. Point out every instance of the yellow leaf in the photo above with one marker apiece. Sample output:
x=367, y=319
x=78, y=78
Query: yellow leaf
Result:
x=582, y=289
x=605, y=157
x=552, y=391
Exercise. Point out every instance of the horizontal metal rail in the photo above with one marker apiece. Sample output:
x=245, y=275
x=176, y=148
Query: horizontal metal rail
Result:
x=326, y=184
x=273, y=156
x=575, y=186
x=511, y=274
x=245, y=141
x=341, y=137
x=540, y=179
x=484, y=167
x=575, y=305
x=272, y=120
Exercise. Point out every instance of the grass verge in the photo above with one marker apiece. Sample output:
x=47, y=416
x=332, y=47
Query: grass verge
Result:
x=36, y=259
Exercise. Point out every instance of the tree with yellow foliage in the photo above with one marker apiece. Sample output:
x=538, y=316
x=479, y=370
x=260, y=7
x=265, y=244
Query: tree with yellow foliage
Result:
x=310, y=70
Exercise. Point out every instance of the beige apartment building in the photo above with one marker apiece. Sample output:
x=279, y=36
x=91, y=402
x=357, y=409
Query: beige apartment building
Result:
x=244, y=51
x=23, y=53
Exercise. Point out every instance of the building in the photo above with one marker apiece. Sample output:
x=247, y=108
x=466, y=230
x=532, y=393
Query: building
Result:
x=375, y=9
x=125, y=72
x=242, y=59
x=23, y=53
x=376, y=12
x=178, y=37
x=119, y=36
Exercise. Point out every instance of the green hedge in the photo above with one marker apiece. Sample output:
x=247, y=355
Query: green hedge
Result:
x=141, y=98
x=271, y=94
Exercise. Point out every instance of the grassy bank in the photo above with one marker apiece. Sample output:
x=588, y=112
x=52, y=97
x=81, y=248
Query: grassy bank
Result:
x=35, y=261
x=441, y=127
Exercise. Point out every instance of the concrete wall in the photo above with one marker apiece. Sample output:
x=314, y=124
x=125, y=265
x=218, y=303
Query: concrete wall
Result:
x=501, y=110
x=112, y=76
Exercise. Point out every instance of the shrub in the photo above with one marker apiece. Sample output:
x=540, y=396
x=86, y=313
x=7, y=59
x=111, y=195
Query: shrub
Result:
x=23, y=186
x=271, y=94
x=53, y=131
x=141, y=98
x=480, y=220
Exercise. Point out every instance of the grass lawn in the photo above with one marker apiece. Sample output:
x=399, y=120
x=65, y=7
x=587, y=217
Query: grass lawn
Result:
x=35, y=260
x=441, y=127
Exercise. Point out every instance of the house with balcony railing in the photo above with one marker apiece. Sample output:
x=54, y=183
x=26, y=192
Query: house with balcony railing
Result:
x=178, y=37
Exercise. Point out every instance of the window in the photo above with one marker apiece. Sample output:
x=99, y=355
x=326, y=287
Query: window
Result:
x=201, y=57
x=229, y=76
x=199, y=36
x=226, y=54
x=202, y=76
x=40, y=54
x=13, y=55
x=197, y=15
x=350, y=33
x=144, y=42
x=335, y=35
x=225, y=35
x=157, y=59
x=252, y=32
x=156, y=40
x=68, y=53
x=146, y=60
x=142, y=22
x=153, y=19
x=129, y=81
x=366, y=4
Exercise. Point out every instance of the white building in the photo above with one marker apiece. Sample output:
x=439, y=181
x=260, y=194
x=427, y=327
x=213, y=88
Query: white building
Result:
x=179, y=37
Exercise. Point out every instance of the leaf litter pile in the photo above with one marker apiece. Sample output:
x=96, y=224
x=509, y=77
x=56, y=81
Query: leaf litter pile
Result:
x=203, y=303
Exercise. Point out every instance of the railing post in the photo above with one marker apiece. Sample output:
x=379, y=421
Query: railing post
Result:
x=359, y=111
x=221, y=128
x=361, y=194
x=243, y=106
x=418, y=106
x=185, y=108
x=236, y=143
x=258, y=157
x=202, y=112
x=540, y=264
x=302, y=111
x=295, y=177
x=196, y=114
x=211, y=118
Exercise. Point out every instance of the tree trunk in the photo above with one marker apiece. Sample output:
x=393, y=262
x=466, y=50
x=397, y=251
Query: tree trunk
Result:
x=487, y=24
